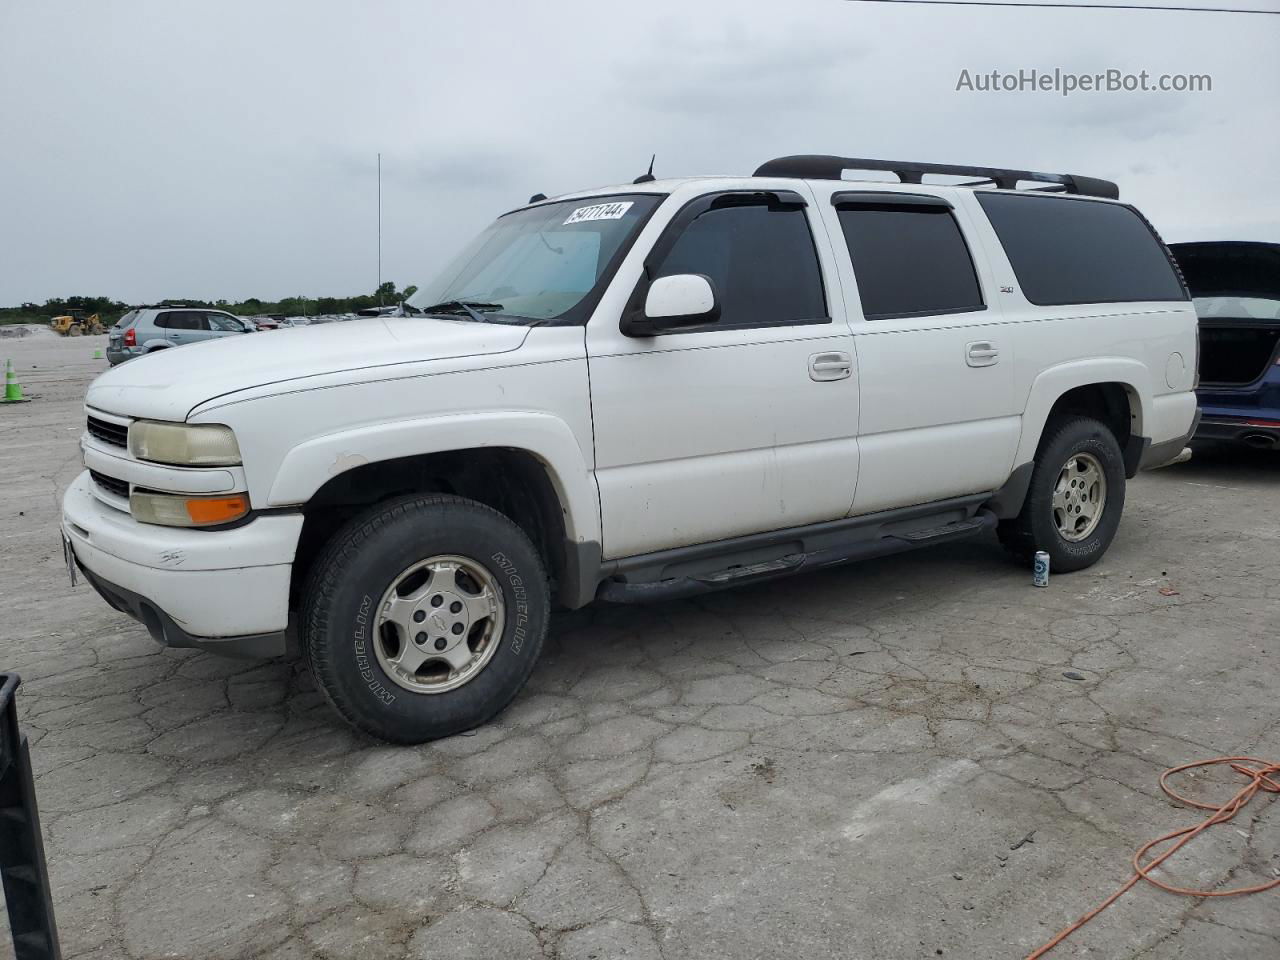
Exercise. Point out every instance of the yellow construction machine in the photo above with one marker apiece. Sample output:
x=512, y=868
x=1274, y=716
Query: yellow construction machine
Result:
x=76, y=324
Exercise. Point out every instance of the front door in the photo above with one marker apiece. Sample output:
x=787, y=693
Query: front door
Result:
x=221, y=324
x=743, y=425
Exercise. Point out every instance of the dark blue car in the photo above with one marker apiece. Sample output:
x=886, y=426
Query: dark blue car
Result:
x=1236, y=287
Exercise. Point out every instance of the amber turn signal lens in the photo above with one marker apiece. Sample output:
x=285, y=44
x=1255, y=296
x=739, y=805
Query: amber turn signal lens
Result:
x=208, y=510
x=176, y=510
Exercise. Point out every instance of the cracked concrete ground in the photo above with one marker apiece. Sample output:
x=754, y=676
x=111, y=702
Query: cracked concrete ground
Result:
x=842, y=765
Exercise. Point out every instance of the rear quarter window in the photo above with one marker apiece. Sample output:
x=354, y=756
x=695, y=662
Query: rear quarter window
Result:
x=1069, y=251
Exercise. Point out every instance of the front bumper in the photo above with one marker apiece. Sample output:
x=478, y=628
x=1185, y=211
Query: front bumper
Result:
x=165, y=630
x=221, y=590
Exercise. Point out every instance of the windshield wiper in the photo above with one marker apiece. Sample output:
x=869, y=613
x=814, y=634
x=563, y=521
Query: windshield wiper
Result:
x=475, y=309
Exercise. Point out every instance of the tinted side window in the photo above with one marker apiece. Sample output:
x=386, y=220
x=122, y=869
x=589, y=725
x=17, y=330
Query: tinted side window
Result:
x=1080, y=251
x=220, y=321
x=179, y=320
x=761, y=261
x=909, y=261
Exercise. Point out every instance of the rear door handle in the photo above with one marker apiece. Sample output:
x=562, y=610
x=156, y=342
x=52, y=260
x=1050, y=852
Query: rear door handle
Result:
x=981, y=353
x=830, y=366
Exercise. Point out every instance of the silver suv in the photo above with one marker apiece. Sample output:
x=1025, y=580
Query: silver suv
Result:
x=146, y=329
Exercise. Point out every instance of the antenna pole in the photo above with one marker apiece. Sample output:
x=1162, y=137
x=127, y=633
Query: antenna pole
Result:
x=379, y=229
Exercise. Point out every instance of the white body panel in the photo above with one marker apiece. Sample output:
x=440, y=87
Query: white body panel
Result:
x=650, y=443
x=760, y=445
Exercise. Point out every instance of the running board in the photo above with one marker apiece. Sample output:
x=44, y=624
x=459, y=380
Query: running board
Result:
x=674, y=588
x=947, y=531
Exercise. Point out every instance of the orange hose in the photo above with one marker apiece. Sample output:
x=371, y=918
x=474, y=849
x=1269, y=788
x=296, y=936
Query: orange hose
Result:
x=1261, y=777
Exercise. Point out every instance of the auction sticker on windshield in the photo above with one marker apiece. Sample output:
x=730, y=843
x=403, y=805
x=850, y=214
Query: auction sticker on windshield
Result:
x=599, y=211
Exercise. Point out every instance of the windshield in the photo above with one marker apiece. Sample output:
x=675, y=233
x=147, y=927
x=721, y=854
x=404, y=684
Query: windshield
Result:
x=544, y=262
x=1237, y=308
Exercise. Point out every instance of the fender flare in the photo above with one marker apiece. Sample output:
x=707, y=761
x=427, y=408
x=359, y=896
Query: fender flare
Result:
x=308, y=466
x=1052, y=383
x=151, y=346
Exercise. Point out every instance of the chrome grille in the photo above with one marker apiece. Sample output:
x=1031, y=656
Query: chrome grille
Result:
x=113, y=433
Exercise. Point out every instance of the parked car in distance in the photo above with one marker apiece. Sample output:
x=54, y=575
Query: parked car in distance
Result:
x=641, y=392
x=145, y=330
x=1236, y=290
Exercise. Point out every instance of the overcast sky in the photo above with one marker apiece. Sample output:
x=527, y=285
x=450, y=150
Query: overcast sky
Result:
x=227, y=149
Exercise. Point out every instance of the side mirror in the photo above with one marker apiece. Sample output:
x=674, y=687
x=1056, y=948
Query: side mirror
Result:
x=680, y=300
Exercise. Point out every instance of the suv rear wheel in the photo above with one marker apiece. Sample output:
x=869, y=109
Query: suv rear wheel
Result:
x=1075, y=500
x=425, y=616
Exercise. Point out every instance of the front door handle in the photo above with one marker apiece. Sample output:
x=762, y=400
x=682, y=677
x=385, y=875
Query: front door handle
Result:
x=830, y=366
x=981, y=353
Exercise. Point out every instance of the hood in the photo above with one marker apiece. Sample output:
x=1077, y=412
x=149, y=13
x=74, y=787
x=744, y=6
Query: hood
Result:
x=1230, y=268
x=168, y=384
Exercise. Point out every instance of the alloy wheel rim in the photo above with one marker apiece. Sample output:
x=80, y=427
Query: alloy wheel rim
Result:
x=439, y=624
x=1079, y=497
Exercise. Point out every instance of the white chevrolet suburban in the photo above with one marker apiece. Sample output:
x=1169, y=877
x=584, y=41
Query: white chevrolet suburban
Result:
x=641, y=392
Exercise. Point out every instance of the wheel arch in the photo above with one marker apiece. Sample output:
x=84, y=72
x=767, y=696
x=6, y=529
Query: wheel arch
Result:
x=1117, y=392
x=537, y=477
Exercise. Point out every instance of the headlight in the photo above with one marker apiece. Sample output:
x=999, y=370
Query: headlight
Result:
x=176, y=510
x=184, y=444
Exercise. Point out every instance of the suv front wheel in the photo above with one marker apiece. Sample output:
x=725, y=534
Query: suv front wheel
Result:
x=1075, y=500
x=425, y=616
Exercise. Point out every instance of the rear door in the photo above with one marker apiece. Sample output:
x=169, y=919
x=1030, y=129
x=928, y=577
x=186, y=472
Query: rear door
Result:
x=183, y=326
x=740, y=426
x=935, y=360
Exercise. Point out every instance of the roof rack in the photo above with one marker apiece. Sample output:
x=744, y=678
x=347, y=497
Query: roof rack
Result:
x=825, y=167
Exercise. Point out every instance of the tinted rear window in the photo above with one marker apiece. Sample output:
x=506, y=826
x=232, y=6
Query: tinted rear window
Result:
x=127, y=320
x=1080, y=251
x=909, y=261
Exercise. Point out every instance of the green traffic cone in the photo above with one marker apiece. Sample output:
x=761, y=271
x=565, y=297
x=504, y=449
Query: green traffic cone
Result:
x=97, y=354
x=12, y=388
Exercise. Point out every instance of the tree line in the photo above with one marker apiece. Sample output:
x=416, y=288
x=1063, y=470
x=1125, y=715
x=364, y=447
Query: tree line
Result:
x=111, y=310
